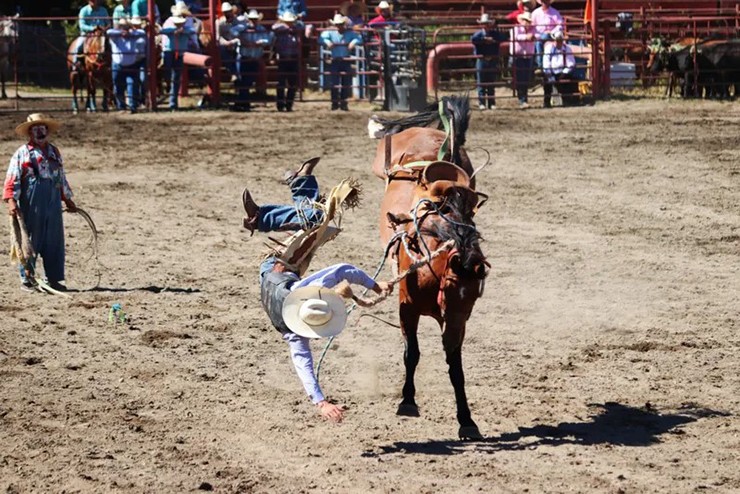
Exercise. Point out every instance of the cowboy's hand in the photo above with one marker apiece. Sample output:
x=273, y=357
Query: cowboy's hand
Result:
x=386, y=287
x=330, y=411
x=71, y=206
x=12, y=207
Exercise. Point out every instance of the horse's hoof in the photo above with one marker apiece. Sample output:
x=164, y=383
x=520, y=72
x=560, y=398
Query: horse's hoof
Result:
x=469, y=432
x=408, y=410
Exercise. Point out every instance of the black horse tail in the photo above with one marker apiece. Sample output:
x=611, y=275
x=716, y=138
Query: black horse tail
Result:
x=457, y=111
x=456, y=108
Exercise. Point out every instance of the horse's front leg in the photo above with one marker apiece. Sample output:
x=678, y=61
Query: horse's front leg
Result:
x=452, y=339
x=91, y=96
x=409, y=325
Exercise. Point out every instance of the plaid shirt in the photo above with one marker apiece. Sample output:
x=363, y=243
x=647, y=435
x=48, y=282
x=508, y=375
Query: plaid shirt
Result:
x=286, y=41
x=28, y=161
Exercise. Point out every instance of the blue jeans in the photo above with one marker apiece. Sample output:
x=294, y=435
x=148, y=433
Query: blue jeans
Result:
x=173, y=65
x=287, y=78
x=539, y=48
x=274, y=217
x=248, y=71
x=340, y=79
x=486, y=73
x=126, y=76
x=523, y=74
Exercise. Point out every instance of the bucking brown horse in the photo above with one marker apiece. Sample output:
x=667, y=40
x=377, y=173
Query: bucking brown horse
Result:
x=427, y=219
x=93, y=66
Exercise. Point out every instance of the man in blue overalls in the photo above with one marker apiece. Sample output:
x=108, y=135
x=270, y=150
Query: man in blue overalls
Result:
x=36, y=186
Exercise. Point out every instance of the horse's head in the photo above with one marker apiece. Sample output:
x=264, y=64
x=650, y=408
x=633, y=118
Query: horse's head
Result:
x=658, y=59
x=462, y=279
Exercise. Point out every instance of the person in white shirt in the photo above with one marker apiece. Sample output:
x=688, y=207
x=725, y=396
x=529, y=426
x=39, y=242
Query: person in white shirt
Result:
x=317, y=310
x=128, y=52
x=558, y=64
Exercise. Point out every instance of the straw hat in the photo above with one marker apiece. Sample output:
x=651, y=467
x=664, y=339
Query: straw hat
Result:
x=486, y=19
x=122, y=22
x=180, y=9
x=287, y=16
x=253, y=15
x=524, y=16
x=314, y=312
x=178, y=19
x=37, y=119
x=136, y=21
x=338, y=20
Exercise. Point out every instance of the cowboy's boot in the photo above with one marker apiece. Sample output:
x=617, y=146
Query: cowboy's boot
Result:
x=252, y=209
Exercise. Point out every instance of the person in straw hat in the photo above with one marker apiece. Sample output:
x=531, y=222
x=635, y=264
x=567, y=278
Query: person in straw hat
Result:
x=287, y=51
x=304, y=308
x=253, y=42
x=522, y=50
x=340, y=42
x=486, y=42
x=35, y=188
x=384, y=17
x=176, y=38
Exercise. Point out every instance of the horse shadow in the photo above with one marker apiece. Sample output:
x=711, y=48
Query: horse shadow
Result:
x=613, y=423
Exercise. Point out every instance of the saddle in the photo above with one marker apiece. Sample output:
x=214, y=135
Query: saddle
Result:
x=437, y=181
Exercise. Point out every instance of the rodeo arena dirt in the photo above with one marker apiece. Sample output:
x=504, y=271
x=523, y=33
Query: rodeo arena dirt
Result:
x=597, y=243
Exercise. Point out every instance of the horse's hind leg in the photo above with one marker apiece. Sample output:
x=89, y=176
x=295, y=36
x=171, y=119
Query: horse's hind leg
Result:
x=452, y=340
x=74, y=81
x=409, y=324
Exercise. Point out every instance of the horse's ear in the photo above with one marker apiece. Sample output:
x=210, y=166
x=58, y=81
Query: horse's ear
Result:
x=482, y=199
x=481, y=270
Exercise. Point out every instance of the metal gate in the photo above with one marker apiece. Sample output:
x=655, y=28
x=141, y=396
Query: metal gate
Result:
x=404, y=69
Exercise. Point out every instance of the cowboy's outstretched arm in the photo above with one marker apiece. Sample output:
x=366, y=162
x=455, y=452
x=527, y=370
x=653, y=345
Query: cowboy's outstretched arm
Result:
x=300, y=354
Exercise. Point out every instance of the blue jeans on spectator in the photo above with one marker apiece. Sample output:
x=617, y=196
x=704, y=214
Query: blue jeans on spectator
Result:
x=539, y=48
x=486, y=73
x=248, y=70
x=523, y=75
x=126, y=76
x=304, y=191
x=173, y=65
x=228, y=59
x=340, y=80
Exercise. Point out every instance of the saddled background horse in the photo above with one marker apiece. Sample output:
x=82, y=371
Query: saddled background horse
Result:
x=8, y=38
x=427, y=213
x=93, y=67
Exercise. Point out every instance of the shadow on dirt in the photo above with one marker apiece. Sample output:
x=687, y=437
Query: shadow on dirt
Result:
x=150, y=288
x=613, y=424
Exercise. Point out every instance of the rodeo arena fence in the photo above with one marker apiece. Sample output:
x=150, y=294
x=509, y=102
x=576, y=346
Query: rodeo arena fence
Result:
x=619, y=46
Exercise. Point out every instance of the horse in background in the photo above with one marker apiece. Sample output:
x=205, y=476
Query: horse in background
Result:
x=93, y=66
x=427, y=227
x=8, y=40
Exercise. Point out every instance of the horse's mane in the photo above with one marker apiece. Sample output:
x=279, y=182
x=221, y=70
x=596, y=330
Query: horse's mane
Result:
x=456, y=108
x=465, y=235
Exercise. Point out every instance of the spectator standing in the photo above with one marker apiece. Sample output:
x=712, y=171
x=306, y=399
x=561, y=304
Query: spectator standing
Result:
x=340, y=41
x=254, y=40
x=35, y=187
x=384, y=18
x=486, y=44
x=522, y=51
x=546, y=21
x=228, y=28
x=127, y=57
x=176, y=39
x=558, y=64
x=122, y=11
x=287, y=50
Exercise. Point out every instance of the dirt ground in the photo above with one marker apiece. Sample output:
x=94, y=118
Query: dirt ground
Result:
x=603, y=356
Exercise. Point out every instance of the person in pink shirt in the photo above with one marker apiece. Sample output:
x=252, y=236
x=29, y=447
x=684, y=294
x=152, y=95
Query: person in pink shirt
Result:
x=546, y=21
x=522, y=51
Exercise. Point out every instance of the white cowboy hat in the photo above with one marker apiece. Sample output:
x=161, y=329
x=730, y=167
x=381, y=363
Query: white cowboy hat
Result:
x=383, y=6
x=37, y=119
x=524, y=16
x=314, y=312
x=122, y=21
x=226, y=7
x=136, y=21
x=178, y=19
x=486, y=19
x=338, y=19
x=180, y=9
x=557, y=35
x=287, y=17
x=254, y=15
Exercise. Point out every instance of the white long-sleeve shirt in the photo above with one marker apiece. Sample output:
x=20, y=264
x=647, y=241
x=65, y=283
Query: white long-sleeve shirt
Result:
x=300, y=349
x=558, y=60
